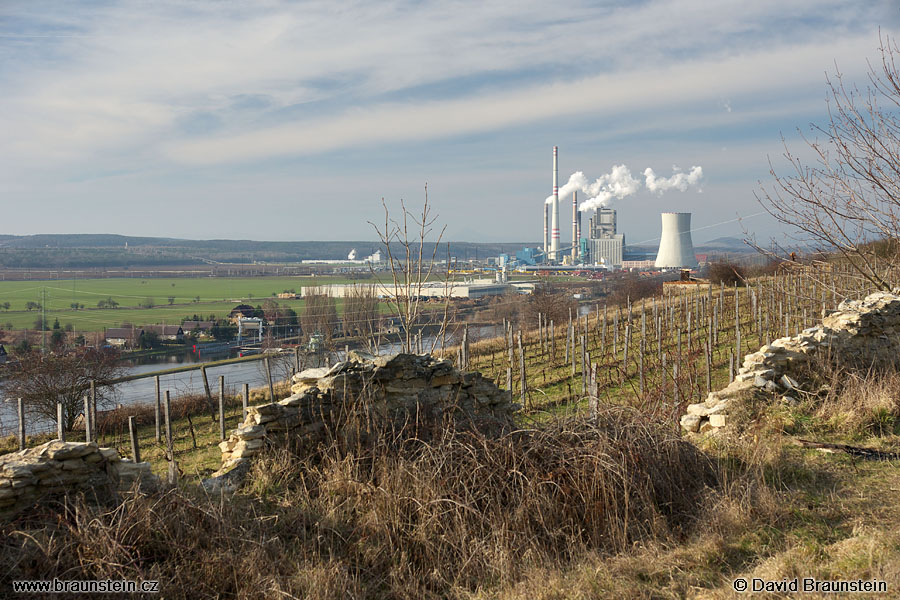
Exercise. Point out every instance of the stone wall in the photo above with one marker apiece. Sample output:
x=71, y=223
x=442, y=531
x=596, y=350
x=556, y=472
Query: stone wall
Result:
x=395, y=386
x=57, y=468
x=859, y=332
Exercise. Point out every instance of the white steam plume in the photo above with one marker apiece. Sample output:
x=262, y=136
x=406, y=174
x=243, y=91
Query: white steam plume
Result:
x=618, y=183
x=352, y=255
x=679, y=180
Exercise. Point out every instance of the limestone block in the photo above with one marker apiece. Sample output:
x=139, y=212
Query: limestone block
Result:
x=110, y=454
x=698, y=410
x=690, y=423
x=441, y=380
x=250, y=433
x=719, y=420
x=57, y=450
x=75, y=464
x=310, y=375
x=719, y=409
x=15, y=469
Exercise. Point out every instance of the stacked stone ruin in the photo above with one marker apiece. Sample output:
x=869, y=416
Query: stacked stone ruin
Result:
x=402, y=384
x=859, y=332
x=57, y=468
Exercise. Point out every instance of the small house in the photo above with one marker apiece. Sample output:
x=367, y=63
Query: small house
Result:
x=166, y=333
x=124, y=337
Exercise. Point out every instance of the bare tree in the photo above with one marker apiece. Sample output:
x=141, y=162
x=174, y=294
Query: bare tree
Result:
x=847, y=200
x=42, y=380
x=319, y=314
x=361, y=315
x=412, y=261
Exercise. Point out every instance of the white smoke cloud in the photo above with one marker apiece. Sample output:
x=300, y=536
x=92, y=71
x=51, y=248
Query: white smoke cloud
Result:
x=352, y=255
x=619, y=184
x=678, y=181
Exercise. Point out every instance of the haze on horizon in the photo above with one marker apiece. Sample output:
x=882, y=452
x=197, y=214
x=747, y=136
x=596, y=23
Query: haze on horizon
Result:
x=290, y=121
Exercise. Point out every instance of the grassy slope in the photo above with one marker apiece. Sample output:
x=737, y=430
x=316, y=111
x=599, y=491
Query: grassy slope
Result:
x=786, y=511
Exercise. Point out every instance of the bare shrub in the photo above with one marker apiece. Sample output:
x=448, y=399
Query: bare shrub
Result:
x=633, y=287
x=555, y=304
x=729, y=273
x=388, y=516
x=43, y=380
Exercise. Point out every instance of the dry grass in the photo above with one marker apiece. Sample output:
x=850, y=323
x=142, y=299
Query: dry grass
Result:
x=618, y=508
x=388, y=515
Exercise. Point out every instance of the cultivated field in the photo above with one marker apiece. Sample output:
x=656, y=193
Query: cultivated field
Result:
x=202, y=296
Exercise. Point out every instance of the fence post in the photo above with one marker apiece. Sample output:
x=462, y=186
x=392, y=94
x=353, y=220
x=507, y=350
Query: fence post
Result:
x=269, y=377
x=244, y=402
x=94, y=409
x=584, y=374
x=222, y=407
x=20, y=405
x=88, y=422
x=170, y=445
x=297, y=356
x=158, y=411
x=135, y=448
x=593, y=400
x=522, y=383
x=60, y=425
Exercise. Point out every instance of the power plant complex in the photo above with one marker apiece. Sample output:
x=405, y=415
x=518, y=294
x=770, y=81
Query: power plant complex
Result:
x=604, y=245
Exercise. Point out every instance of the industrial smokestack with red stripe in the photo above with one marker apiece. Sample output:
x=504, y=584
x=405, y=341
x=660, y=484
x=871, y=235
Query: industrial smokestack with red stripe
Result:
x=574, y=226
x=554, y=215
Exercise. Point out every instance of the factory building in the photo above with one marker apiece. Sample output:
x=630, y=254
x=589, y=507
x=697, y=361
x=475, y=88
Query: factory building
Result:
x=605, y=245
x=433, y=289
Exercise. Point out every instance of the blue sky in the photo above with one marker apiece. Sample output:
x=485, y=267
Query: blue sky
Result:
x=291, y=120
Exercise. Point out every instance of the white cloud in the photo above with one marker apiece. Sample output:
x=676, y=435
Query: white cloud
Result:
x=160, y=89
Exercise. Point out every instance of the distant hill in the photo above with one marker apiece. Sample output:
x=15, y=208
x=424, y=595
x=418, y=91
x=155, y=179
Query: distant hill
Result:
x=108, y=250
x=727, y=244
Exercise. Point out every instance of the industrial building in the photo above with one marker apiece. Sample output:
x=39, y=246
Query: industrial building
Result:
x=604, y=246
x=435, y=289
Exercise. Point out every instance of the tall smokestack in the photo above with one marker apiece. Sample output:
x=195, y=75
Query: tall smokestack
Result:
x=546, y=231
x=554, y=216
x=574, y=226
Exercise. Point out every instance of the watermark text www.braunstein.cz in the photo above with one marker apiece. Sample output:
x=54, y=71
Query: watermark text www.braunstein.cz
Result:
x=86, y=586
x=809, y=585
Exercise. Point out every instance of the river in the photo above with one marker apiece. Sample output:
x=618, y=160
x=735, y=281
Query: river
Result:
x=143, y=390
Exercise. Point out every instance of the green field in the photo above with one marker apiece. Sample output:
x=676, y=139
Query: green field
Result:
x=202, y=296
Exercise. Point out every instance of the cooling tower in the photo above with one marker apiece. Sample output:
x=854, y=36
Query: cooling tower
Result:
x=675, y=247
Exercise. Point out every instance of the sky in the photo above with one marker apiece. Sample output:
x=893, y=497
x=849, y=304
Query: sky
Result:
x=289, y=121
